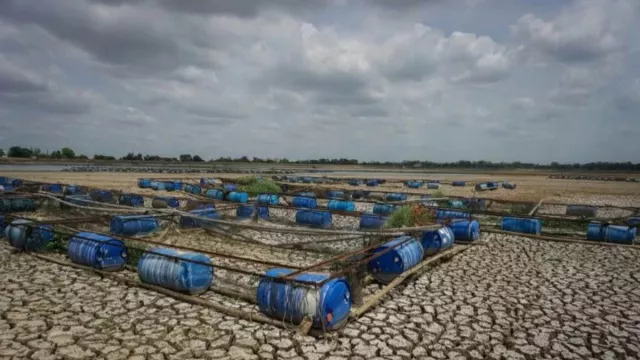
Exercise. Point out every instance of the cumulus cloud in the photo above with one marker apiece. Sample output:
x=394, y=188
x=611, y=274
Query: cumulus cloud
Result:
x=301, y=79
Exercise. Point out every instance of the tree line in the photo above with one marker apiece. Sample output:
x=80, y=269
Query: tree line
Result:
x=68, y=153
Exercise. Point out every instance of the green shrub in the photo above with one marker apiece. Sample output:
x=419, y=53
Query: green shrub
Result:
x=255, y=186
x=402, y=217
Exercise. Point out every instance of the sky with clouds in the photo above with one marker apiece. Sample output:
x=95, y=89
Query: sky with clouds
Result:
x=440, y=80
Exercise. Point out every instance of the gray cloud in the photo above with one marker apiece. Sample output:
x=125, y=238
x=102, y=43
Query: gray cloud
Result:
x=300, y=79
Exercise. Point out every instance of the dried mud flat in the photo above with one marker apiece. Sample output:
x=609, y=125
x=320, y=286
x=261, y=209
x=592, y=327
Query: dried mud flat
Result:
x=513, y=298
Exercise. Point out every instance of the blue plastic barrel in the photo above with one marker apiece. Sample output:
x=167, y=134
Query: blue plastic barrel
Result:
x=73, y=189
x=394, y=262
x=372, y=221
x=582, y=210
x=434, y=241
x=248, y=211
x=458, y=183
x=103, y=196
x=161, y=185
x=452, y=214
x=98, y=251
x=180, y=275
x=193, y=189
x=328, y=306
x=14, y=204
x=52, y=188
x=208, y=181
x=307, y=180
x=131, y=200
x=340, y=205
x=310, y=194
x=611, y=233
x=457, y=204
x=395, y=197
x=230, y=187
x=154, y=185
x=3, y=180
x=240, y=197
x=414, y=184
x=132, y=225
x=384, y=209
x=433, y=185
x=160, y=202
x=304, y=202
x=215, y=194
x=521, y=225
x=465, y=230
x=268, y=199
x=23, y=235
x=372, y=182
x=354, y=182
x=177, y=185
x=334, y=194
x=144, y=183
x=314, y=218
x=189, y=222
x=508, y=185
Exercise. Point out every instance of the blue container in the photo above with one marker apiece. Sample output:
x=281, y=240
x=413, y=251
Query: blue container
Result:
x=313, y=218
x=144, y=183
x=633, y=221
x=182, y=275
x=354, y=182
x=396, y=197
x=133, y=225
x=520, y=225
x=372, y=182
x=52, y=188
x=160, y=202
x=72, y=189
x=209, y=213
x=193, y=189
x=433, y=185
x=6, y=189
x=394, y=262
x=333, y=194
x=22, y=235
x=465, y=230
x=3, y=180
x=457, y=204
x=154, y=185
x=208, y=181
x=508, y=185
x=582, y=210
x=611, y=233
x=414, y=184
x=310, y=194
x=304, y=202
x=215, y=194
x=434, y=241
x=161, y=186
x=339, y=205
x=102, y=196
x=230, y=187
x=268, y=199
x=98, y=251
x=492, y=185
x=372, y=221
x=384, y=209
x=458, y=183
x=177, y=185
x=328, y=306
x=248, y=211
x=240, y=197
x=307, y=180
x=14, y=204
x=452, y=214
x=168, y=186
x=131, y=200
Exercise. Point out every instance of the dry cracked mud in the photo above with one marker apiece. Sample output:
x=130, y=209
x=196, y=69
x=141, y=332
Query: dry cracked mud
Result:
x=514, y=298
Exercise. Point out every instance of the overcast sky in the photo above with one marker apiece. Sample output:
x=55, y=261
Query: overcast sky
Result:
x=498, y=80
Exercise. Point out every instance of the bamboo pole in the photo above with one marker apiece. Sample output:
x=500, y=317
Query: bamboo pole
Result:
x=535, y=209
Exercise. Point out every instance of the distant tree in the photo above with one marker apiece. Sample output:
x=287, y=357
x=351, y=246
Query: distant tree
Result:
x=139, y=157
x=68, y=153
x=82, y=157
x=56, y=154
x=1, y=153
x=101, y=157
x=186, y=158
x=19, y=152
x=197, y=158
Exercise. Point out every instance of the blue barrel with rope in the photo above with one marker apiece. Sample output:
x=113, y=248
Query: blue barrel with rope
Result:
x=458, y=183
x=396, y=197
x=328, y=306
x=433, y=185
x=582, y=210
x=306, y=194
x=465, y=230
x=372, y=182
x=230, y=187
x=268, y=199
x=185, y=272
x=452, y=214
x=129, y=225
x=335, y=194
x=99, y=251
x=521, y=225
x=314, y=218
x=103, y=196
x=406, y=253
x=239, y=197
x=434, y=241
x=52, y=188
x=304, y=202
x=16, y=204
x=193, y=189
